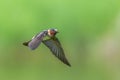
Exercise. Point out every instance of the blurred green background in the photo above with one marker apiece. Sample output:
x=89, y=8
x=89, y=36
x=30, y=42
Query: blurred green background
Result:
x=89, y=33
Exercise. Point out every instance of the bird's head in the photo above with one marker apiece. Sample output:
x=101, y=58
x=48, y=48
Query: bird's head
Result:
x=52, y=32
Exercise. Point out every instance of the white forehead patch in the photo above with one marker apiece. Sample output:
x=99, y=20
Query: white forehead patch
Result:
x=56, y=30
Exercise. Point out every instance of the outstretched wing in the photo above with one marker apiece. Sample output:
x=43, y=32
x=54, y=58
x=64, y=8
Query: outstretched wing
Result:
x=35, y=42
x=54, y=45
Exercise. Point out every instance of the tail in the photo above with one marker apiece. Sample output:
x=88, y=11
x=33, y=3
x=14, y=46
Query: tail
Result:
x=26, y=43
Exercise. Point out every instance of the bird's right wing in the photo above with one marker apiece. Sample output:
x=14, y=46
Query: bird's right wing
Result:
x=36, y=40
x=56, y=48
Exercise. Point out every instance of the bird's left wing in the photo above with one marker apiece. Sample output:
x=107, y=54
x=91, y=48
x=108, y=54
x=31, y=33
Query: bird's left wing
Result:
x=36, y=40
x=54, y=45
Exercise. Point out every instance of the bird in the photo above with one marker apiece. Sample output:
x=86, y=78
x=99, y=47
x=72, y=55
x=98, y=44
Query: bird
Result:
x=52, y=43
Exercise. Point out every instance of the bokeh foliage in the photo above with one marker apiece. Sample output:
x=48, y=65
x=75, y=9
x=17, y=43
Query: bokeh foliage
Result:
x=87, y=33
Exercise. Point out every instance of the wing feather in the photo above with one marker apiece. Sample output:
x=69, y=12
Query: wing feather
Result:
x=54, y=45
x=36, y=40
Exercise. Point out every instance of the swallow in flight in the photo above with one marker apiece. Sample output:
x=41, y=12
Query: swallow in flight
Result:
x=52, y=43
